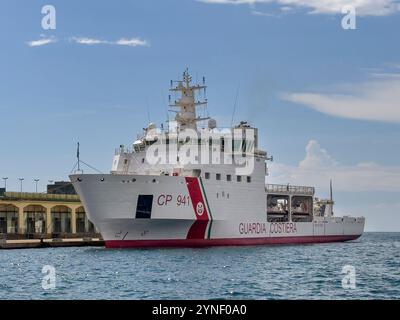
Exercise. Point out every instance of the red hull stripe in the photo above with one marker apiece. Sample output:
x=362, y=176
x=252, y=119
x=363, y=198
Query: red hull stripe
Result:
x=197, y=230
x=208, y=208
x=199, y=227
x=226, y=242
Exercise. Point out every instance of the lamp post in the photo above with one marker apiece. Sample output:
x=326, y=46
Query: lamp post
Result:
x=5, y=183
x=21, y=179
x=36, y=182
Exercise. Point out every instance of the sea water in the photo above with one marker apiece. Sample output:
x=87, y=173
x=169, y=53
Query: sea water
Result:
x=367, y=268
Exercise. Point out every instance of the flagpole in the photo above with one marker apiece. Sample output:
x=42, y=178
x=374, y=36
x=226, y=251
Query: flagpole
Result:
x=77, y=155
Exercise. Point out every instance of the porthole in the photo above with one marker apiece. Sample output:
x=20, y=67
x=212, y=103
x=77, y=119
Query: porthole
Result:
x=79, y=179
x=102, y=179
x=133, y=180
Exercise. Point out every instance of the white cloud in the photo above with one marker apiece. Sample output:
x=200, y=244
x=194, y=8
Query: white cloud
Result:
x=318, y=167
x=234, y=2
x=261, y=13
x=377, y=99
x=88, y=41
x=363, y=7
x=316, y=157
x=132, y=42
x=41, y=42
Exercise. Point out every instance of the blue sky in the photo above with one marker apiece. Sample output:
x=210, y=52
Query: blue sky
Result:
x=323, y=97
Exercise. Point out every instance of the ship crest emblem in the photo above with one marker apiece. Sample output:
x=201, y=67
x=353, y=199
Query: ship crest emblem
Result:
x=200, y=208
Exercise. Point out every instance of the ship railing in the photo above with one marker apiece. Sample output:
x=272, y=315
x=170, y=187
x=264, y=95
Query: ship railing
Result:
x=286, y=188
x=40, y=196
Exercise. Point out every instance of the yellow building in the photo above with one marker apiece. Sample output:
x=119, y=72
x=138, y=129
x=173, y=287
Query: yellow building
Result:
x=43, y=215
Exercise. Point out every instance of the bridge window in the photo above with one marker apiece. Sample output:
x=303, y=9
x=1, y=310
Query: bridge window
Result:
x=228, y=177
x=144, y=206
x=248, y=179
x=238, y=178
x=218, y=176
x=207, y=175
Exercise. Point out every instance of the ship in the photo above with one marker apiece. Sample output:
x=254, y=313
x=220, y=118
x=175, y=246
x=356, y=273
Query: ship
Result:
x=192, y=184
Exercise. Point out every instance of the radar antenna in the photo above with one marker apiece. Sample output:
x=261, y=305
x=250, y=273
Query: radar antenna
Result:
x=186, y=117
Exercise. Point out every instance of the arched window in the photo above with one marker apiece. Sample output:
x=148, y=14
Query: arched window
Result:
x=35, y=219
x=8, y=219
x=61, y=218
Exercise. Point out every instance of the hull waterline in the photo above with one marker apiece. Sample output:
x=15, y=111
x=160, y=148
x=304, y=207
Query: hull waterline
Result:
x=201, y=243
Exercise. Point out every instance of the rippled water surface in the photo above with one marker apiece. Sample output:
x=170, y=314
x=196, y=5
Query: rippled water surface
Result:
x=264, y=272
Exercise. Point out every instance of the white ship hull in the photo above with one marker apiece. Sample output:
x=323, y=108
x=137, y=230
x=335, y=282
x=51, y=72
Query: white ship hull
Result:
x=192, y=212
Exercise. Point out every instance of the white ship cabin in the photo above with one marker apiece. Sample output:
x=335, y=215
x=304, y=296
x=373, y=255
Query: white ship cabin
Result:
x=193, y=145
x=182, y=155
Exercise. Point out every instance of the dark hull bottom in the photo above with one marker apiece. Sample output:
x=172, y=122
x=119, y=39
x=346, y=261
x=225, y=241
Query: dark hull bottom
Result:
x=192, y=243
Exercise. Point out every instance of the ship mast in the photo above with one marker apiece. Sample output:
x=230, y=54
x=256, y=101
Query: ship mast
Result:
x=186, y=117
